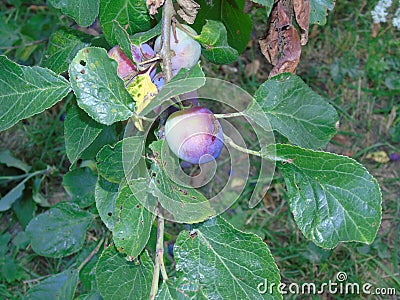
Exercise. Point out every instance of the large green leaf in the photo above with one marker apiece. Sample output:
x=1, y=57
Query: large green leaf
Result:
x=61, y=286
x=295, y=111
x=105, y=194
x=27, y=91
x=60, y=231
x=99, y=90
x=224, y=262
x=213, y=39
x=122, y=38
x=130, y=14
x=181, y=203
x=180, y=289
x=229, y=12
x=113, y=164
x=62, y=48
x=132, y=229
x=142, y=37
x=318, y=10
x=185, y=81
x=119, y=279
x=84, y=12
x=79, y=131
x=80, y=184
x=333, y=198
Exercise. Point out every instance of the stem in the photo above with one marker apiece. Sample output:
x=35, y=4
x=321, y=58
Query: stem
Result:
x=256, y=153
x=165, y=52
x=159, y=260
x=229, y=115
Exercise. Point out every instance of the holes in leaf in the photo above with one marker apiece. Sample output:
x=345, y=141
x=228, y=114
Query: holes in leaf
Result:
x=82, y=71
x=137, y=205
x=109, y=214
x=82, y=63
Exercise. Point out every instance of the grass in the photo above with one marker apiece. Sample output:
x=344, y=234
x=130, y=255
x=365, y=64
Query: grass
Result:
x=356, y=70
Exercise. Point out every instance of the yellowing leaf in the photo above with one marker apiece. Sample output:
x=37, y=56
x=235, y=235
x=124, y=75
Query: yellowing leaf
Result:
x=142, y=90
x=379, y=156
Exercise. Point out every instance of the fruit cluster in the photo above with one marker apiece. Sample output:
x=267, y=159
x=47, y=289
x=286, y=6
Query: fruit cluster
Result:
x=193, y=134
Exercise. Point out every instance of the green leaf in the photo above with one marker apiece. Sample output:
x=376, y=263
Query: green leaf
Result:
x=80, y=184
x=114, y=162
x=10, y=161
x=213, y=39
x=122, y=38
x=79, y=131
x=108, y=136
x=132, y=230
x=8, y=199
x=119, y=279
x=229, y=12
x=142, y=37
x=58, y=287
x=105, y=194
x=99, y=90
x=182, y=204
x=130, y=14
x=93, y=295
x=296, y=111
x=84, y=12
x=333, y=198
x=185, y=81
x=27, y=91
x=180, y=289
x=64, y=44
x=10, y=270
x=24, y=210
x=60, y=231
x=224, y=262
x=318, y=10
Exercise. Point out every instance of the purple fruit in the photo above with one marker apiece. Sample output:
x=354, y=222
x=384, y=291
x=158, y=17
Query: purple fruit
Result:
x=194, y=135
x=186, y=50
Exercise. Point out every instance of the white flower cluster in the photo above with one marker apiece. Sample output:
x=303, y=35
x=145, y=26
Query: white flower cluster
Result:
x=380, y=12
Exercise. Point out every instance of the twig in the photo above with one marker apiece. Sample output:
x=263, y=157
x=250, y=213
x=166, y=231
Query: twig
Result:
x=159, y=260
x=89, y=257
x=256, y=153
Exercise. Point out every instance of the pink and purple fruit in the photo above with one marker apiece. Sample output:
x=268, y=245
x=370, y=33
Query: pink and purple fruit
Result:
x=194, y=135
x=125, y=66
x=186, y=50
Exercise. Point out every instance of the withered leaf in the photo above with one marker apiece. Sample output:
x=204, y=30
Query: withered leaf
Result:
x=302, y=14
x=188, y=10
x=153, y=5
x=281, y=46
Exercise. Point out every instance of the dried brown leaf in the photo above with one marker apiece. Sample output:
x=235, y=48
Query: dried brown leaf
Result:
x=188, y=10
x=302, y=14
x=281, y=46
x=153, y=5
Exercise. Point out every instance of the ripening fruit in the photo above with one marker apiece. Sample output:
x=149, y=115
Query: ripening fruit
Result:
x=125, y=65
x=194, y=135
x=187, y=50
